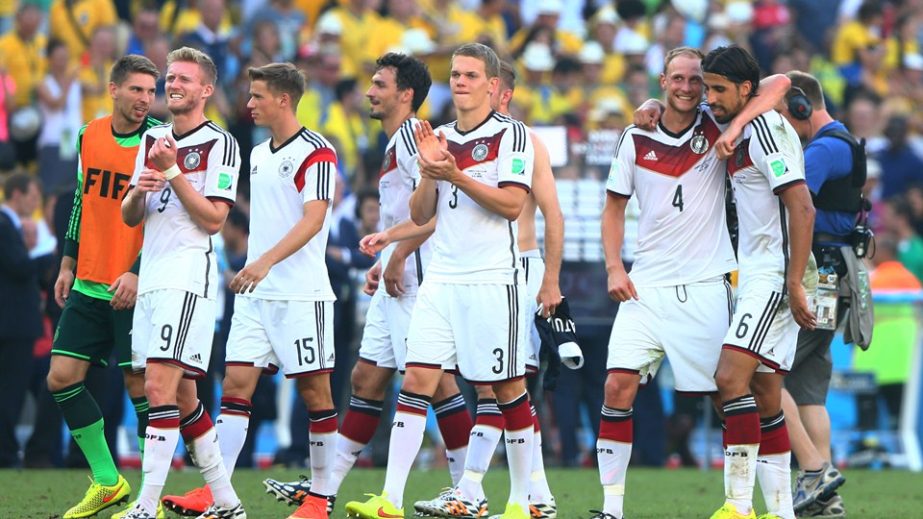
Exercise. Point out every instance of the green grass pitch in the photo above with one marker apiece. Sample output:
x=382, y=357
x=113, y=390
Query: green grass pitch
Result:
x=652, y=493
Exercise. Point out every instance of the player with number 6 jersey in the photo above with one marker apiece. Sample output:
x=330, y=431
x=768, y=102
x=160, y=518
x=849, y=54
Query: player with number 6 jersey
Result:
x=675, y=302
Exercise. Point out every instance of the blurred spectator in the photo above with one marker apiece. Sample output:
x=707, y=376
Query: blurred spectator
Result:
x=814, y=21
x=637, y=86
x=144, y=29
x=772, y=31
x=343, y=255
x=900, y=166
x=551, y=102
x=76, y=21
x=212, y=38
x=898, y=217
x=896, y=326
x=7, y=150
x=179, y=17
x=388, y=32
x=357, y=20
x=60, y=101
x=672, y=36
x=21, y=318
x=288, y=21
x=323, y=75
x=594, y=90
x=267, y=46
x=22, y=56
x=915, y=200
x=546, y=23
x=604, y=28
x=863, y=118
x=94, y=75
x=347, y=125
x=485, y=25
x=633, y=34
x=368, y=214
x=569, y=14
x=157, y=51
x=859, y=49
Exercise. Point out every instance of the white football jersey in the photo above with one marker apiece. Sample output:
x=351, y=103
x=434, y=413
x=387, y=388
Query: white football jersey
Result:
x=680, y=187
x=398, y=177
x=472, y=245
x=767, y=160
x=282, y=180
x=177, y=253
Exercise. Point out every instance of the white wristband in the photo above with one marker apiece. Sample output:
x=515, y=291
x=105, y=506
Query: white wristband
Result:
x=172, y=172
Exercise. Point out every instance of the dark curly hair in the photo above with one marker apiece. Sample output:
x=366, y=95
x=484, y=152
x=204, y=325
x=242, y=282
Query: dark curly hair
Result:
x=410, y=73
x=734, y=63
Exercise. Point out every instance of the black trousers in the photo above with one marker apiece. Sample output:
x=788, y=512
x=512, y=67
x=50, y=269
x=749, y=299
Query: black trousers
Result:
x=15, y=369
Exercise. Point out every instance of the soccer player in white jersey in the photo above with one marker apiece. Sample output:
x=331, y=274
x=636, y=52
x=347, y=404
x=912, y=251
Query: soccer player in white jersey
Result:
x=475, y=177
x=776, y=221
x=283, y=318
x=543, y=291
x=184, y=184
x=675, y=302
x=399, y=86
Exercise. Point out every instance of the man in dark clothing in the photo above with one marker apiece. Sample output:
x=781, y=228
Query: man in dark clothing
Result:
x=21, y=318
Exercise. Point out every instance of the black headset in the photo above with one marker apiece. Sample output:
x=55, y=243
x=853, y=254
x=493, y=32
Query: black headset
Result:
x=799, y=105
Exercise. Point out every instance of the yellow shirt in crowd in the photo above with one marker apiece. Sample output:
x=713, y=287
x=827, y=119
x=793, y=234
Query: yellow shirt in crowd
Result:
x=100, y=104
x=76, y=27
x=25, y=62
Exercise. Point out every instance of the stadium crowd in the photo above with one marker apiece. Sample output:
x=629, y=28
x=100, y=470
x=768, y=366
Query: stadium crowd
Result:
x=583, y=66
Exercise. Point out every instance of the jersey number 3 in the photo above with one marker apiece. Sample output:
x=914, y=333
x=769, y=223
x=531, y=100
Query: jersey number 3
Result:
x=453, y=203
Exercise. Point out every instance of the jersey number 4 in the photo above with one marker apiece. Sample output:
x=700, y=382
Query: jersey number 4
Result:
x=678, y=198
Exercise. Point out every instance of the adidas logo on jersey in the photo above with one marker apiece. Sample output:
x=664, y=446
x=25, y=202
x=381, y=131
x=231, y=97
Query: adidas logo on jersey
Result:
x=650, y=155
x=196, y=358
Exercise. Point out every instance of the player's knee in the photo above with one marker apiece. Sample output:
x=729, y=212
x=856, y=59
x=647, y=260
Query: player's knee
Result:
x=59, y=379
x=730, y=383
x=367, y=382
x=134, y=384
x=315, y=392
x=509, y=391
x=768, y=396
x=421, y=381
x=158, y=394
x=485, y=392
x=237, y=384
x=447, y=385
x=620, y=391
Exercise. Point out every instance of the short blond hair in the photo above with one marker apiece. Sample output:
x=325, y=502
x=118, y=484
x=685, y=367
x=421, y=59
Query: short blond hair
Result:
x=689, y=52
x=190, y=55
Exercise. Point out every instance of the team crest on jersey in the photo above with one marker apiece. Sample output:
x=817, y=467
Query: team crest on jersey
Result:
x=739, y=156
x=479, y=152
x=699, y=144
x=386, y=163
x=286, y=169
x=192, y=160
